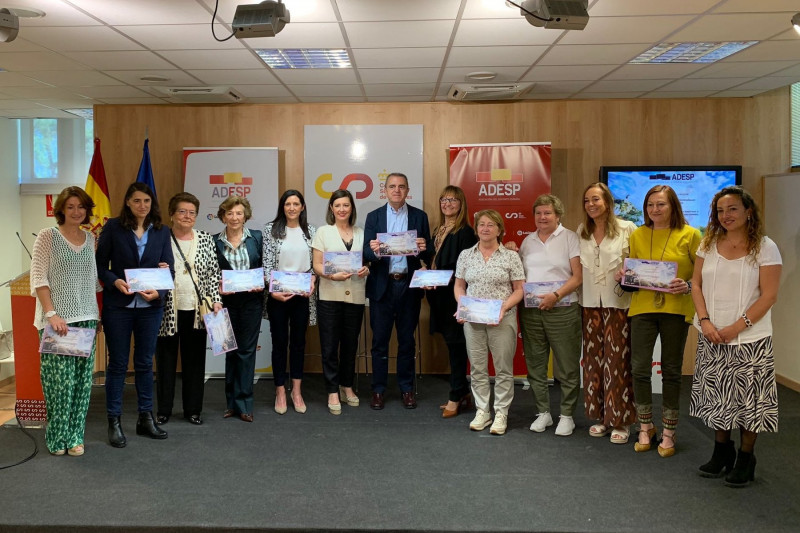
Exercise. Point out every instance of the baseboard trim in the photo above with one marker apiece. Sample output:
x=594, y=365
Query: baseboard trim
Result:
x=786, y=382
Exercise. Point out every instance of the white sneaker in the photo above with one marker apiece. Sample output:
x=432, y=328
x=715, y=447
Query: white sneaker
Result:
x=481, y=420
x=543, y=421
x=500, y=424
x=565, y=426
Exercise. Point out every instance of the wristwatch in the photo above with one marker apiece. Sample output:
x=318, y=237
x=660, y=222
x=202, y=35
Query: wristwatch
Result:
x=50, y=314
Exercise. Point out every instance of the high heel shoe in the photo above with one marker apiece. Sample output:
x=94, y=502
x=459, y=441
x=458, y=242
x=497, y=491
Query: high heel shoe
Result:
x=352, y=401
x=299, y=404
x=744, y=472
x=667, y=452
x=721, y=462
x=464, y=403
x=651, y=435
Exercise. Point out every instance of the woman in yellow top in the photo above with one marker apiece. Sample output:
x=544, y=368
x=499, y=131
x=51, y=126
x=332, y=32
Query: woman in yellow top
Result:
x=665, y=236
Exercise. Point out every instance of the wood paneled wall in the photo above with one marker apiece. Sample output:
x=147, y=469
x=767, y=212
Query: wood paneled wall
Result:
x=752, y=132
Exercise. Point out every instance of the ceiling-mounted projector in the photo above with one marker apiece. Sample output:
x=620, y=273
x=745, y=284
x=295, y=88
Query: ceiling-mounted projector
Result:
x=260, y=20
x=9, y=25
x=556, y=14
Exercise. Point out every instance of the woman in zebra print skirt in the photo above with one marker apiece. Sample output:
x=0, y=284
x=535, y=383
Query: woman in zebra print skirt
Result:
x=735, y=284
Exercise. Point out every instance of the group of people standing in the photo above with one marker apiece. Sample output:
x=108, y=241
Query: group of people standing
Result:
x=590, y=316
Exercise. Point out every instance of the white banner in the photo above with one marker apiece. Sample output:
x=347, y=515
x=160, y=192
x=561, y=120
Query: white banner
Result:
x=359, y=158
x=214, y=174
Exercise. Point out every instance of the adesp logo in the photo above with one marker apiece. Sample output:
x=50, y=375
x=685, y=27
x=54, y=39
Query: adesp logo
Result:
x=349, y=179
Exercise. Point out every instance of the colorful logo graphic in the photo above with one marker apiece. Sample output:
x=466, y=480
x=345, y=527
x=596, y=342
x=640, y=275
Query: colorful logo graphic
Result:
x=230, y=184
x=346, y=182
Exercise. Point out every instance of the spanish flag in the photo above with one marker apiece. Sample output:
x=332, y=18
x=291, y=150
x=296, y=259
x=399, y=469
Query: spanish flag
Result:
x=97, y=189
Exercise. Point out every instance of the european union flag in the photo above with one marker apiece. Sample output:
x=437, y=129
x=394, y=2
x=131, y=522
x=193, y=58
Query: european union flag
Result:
x=146, y=170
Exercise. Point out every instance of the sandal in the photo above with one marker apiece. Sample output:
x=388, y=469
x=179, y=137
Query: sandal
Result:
x=667, y=452
x=598, y=430
x=620, y=436
x=76, y=451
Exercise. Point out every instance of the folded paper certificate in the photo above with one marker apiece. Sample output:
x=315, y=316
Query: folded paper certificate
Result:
x=431, y=278
x=536, y=290
x=77, y=342
x=649, y=274
x=402, y=243
x=143, y=279
x=479, y=310
x=336, y=262
x=293, y=282
x=242, y=280
x=220, y=332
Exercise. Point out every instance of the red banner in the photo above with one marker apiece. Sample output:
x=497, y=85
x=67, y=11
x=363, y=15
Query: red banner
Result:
x=506, y=178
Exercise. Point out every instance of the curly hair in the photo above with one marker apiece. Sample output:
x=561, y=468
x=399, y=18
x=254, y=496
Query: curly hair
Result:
x=755, y=225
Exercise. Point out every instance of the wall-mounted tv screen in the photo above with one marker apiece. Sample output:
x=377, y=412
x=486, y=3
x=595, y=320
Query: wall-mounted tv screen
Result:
x=694, y=185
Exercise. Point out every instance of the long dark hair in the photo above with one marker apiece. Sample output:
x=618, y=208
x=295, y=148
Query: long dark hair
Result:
x=279, y=222
x=126, y=216
x=340, y=193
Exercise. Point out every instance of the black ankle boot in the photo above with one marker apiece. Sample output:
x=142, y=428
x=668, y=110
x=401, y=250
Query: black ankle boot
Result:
x=147, y=426
x=744, y=471
x=721, y=462
x=116, y=437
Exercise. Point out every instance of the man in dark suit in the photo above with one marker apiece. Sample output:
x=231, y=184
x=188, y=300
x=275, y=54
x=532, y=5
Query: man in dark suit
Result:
x=391, y=302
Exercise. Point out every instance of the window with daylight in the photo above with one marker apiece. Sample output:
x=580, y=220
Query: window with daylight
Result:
x=53, y=153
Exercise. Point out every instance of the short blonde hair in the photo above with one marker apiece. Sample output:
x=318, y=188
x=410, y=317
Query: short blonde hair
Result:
x=551, y=200
x=495, y=217
x=230, y=203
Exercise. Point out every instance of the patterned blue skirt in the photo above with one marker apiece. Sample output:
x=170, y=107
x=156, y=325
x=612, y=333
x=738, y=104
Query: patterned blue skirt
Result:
x=734, y=386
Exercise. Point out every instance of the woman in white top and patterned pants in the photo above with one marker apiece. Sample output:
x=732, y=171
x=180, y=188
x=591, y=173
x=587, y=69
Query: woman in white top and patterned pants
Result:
x=287, y=248
x=607, y=377
x=734, y=286
x=64, y=281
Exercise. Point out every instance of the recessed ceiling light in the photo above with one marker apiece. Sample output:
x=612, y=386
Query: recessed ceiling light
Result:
x=154, y=78
x=87, y=113
x=481, y=76
x=26, y=12
x=305, y=58
x=691, y=52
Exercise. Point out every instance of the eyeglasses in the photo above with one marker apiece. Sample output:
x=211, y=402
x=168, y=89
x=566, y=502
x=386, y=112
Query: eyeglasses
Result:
x=445, y=201
x=597, y=256
x=184, y=212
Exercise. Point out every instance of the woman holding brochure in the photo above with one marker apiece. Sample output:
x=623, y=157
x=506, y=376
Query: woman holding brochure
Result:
x=490, y=271
x=607, y=379
x=287, y=248
x=340, y=307
x=64, y=281
x=196, y=281
x=665, y=236
x=452, y=236
x=551, y=259
x=735, y=285
x=134, y=240
x=239, y=248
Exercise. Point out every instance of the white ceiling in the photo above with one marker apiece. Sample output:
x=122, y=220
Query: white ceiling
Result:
x=86, y=52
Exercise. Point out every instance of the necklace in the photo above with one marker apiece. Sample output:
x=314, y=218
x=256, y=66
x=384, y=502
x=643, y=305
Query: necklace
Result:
x=658, y=297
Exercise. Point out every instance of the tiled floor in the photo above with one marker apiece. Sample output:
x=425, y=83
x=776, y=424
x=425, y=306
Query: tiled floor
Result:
x=8, y=396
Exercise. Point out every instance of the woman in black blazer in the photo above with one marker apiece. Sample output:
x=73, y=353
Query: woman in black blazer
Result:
x=452, y=235
x=239, y=248
x=135, y=239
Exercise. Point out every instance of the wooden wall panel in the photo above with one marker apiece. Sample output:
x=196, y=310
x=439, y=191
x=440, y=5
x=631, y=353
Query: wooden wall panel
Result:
x=752, y=132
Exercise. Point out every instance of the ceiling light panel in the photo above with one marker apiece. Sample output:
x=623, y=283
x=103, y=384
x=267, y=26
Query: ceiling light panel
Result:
x=690, y=52
x=290, y=58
